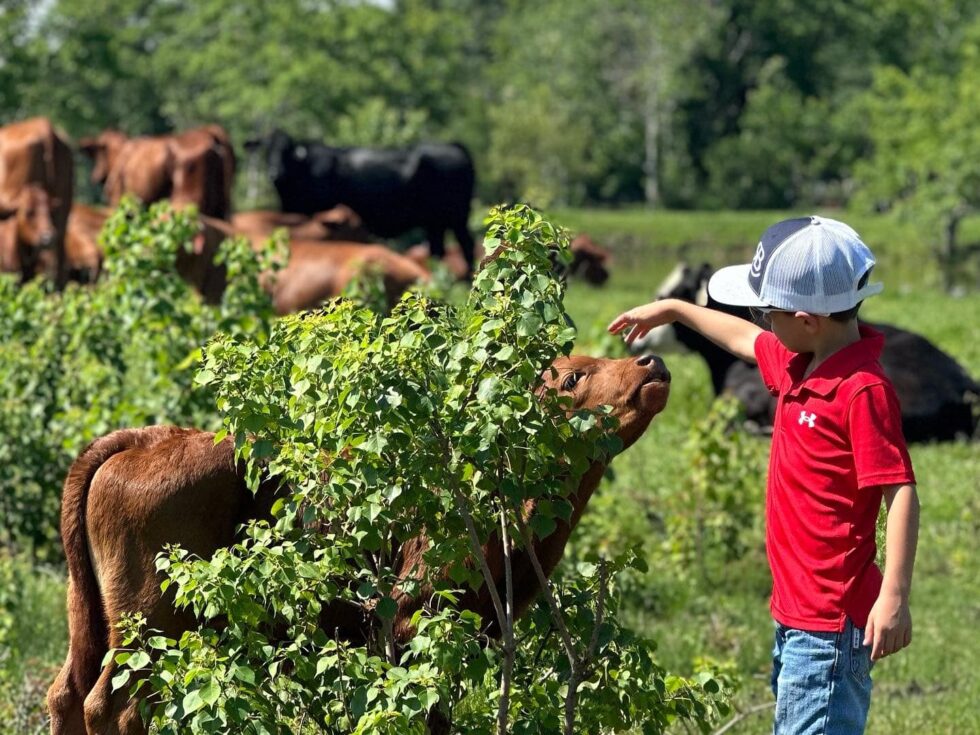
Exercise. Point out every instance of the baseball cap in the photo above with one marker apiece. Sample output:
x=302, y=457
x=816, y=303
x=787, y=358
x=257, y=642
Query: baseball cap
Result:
x=812, y=264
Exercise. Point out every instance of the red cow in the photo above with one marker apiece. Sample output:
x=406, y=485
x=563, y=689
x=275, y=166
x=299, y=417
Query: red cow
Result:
x=195, y=167
x=34, y=154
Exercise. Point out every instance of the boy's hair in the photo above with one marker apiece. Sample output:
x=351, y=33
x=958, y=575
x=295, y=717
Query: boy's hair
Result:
x=848, y=314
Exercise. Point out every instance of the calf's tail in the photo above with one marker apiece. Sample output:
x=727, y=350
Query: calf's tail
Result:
x=87, y=624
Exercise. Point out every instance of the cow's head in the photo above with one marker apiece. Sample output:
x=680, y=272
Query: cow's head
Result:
x=589, y=260
x=280, y=152
x=635, y=387
x=196, y=169
x=342, y=223
x=104, y=150
x=35, y=229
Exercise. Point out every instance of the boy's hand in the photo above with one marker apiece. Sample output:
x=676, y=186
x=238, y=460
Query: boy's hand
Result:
x=889, y=627
x=642, y=319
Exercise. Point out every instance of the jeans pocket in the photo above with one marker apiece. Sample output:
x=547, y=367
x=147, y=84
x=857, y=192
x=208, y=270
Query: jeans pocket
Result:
x=859, y=655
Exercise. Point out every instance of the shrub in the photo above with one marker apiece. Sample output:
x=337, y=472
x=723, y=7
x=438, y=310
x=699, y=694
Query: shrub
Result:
x=77, y=364
x=380, y=427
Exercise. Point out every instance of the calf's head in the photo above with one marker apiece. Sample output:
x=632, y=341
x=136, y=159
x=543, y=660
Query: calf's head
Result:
x=635, y=387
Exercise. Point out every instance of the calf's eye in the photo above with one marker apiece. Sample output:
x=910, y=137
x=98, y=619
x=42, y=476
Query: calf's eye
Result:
x=570, y=380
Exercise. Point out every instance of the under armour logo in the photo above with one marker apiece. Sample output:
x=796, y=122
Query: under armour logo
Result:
x=807, y=418
x=757, y=261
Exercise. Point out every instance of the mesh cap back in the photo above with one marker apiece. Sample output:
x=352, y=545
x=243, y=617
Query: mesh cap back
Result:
x=813, y=264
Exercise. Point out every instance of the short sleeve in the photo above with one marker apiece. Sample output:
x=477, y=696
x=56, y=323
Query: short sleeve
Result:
x=875, y=426
x=772, y=357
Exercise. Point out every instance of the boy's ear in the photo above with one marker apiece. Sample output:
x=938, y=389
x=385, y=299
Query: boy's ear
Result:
x=810, y=322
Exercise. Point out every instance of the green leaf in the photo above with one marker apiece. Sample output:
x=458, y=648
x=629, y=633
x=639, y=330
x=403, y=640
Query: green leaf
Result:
x=387, y=608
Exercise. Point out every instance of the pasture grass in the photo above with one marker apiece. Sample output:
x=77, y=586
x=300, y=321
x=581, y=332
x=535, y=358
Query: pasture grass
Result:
x=930, y=689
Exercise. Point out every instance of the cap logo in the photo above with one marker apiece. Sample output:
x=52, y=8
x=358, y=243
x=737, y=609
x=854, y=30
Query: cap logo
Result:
x=758, y=261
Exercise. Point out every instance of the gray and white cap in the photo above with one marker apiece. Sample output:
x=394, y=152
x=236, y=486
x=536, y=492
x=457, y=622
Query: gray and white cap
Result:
x=812, y=264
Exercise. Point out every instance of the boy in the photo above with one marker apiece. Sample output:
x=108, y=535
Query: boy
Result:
x=837, y=449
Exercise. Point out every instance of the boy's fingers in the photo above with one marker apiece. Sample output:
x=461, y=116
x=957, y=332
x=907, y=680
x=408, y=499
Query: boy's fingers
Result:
x=869, y=632
x=619, y=324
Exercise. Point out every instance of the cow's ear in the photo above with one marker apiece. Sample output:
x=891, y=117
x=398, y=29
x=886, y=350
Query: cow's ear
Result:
x=90, y=146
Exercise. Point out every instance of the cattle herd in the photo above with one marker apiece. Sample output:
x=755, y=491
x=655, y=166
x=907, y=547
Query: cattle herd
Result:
x=337, y=205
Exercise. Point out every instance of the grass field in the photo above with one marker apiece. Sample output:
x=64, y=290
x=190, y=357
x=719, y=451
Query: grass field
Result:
x=930, y=689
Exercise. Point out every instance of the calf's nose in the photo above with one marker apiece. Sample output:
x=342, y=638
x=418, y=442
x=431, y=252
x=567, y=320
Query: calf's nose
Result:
x=658, y=370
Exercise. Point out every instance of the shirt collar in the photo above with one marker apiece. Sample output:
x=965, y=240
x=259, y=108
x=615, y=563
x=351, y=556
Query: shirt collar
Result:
x=843, y=363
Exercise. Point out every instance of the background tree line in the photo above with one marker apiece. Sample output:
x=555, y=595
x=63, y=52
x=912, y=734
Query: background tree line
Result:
x=686, y=104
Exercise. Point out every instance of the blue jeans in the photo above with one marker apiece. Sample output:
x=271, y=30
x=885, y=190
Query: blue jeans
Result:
x=822, y=681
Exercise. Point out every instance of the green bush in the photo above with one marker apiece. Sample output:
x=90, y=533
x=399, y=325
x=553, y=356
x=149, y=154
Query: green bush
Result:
x=78, y=364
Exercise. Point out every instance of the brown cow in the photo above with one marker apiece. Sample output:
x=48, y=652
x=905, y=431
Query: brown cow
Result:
x=28, y=235
x=195, y=166
x=339, y=223
x=320, y=271
x=316, y=271
x=82, y=251
x=34, y=153
x=134, y=491
x=589, y=260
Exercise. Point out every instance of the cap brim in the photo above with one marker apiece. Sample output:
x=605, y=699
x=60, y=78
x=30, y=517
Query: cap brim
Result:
x=730, y=285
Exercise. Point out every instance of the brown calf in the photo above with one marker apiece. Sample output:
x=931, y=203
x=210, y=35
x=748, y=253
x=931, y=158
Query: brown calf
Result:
x=133, y=491
x=28, y=236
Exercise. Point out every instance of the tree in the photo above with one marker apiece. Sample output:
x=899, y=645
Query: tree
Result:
x=923, y=125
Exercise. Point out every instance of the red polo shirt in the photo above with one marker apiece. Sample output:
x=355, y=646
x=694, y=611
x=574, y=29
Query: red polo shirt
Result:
x=837, y=439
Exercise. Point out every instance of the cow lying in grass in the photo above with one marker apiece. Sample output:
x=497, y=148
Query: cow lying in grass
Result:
x=316, y=271
x=339, y=223
x=133, y=491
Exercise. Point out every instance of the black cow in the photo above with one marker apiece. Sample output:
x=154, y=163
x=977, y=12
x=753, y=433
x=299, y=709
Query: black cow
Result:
x=429, y=186
x=937, y=396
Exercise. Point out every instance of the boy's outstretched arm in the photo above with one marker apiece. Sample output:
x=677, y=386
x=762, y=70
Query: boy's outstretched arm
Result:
x=889, y=627
x=727, y=331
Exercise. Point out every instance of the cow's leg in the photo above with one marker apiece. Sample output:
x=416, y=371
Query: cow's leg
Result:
x=462, y=232
x=437, y=242
x=112, y=713
x=65, y=703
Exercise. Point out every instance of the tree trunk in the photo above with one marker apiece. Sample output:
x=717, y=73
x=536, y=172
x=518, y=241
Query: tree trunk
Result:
x=651, y=141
